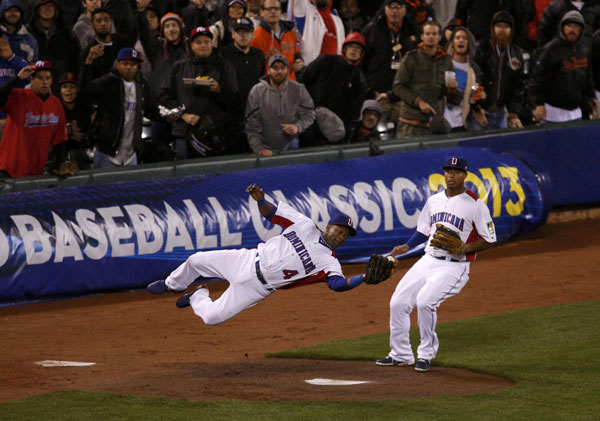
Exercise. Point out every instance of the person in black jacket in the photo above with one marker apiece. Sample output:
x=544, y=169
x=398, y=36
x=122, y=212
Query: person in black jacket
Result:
x=121, y=99
x=56, y=42
x=549, y=23
x=476, y=16
x=595, y=56
x=562, y=82
x=501, y=62
x=111, y=43
x=386, y=46
x=163, y=51
x=336, y=82
x=209, y=94
x=249, y=64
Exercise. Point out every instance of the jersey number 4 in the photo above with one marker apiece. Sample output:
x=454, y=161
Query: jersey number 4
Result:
x=287, y=274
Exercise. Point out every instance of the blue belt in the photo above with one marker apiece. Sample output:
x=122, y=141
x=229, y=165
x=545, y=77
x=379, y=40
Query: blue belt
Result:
x=448, y=259
x=261, y=278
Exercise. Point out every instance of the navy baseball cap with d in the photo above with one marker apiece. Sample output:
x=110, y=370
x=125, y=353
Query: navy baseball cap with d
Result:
x=457, y=163
x=343, y=220
x=129, y=54
x=243, y=23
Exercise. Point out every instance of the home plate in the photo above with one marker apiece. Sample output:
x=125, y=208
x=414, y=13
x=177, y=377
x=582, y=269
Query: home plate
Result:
x=334, y=382
x=55, y=363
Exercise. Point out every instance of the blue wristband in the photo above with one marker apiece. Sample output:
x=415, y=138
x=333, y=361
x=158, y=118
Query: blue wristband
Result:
x=356, y=280
x=262, y=202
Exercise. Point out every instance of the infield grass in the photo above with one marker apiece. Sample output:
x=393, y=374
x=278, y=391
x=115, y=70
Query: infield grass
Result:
x=551, y=353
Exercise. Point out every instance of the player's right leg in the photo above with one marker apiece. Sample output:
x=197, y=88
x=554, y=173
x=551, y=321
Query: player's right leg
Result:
x=401, y=305
x=222, y=264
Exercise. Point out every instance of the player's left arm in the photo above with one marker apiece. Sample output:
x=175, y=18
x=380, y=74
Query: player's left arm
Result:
x=266, y=208
x=485, y=229
x=340, y=284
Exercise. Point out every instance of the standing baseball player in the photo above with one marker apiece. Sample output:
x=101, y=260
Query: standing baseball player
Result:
x=457, y=224
x=301, y=255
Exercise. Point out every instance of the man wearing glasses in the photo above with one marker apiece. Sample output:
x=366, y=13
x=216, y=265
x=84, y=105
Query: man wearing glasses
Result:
x=277, y=37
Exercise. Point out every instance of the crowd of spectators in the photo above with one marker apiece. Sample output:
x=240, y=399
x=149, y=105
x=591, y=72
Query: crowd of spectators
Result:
x=80, y=80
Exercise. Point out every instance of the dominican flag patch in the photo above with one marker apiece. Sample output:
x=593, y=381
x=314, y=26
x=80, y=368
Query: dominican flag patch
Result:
x=490, y=227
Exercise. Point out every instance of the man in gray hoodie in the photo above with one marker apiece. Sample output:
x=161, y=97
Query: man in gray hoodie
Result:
x=278, y=109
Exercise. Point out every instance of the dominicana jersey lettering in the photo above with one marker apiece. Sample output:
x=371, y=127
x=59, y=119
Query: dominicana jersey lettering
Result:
x=299, y=256
x=32, y=126
x=464, y=213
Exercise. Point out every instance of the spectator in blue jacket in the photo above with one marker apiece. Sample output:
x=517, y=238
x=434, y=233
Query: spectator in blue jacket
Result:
x=12, y=24
x=10, y=64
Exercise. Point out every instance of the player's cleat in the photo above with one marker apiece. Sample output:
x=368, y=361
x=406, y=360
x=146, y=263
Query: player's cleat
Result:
x=184, y=300
x=159, y=287
x=389, y=361
x=422, y=365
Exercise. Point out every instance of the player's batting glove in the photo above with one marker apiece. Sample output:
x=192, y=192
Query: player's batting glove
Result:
x=447, y=239
x=379, y=268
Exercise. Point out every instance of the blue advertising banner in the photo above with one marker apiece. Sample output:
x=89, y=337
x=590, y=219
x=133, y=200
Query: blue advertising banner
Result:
x=79, y=240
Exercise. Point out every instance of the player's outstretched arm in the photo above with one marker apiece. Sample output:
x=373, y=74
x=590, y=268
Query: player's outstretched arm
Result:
x=266, y=208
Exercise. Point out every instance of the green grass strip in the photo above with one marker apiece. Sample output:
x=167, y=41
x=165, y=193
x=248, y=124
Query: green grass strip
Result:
x=552, y=353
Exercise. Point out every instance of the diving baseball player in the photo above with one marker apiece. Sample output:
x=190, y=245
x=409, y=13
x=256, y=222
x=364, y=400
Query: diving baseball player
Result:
x=456, y=224
x=301, y=255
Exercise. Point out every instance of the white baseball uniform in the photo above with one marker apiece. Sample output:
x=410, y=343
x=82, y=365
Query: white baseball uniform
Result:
x=438, y=275
x=298, y=256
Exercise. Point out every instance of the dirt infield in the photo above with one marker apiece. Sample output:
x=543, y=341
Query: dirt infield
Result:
x=143, y=345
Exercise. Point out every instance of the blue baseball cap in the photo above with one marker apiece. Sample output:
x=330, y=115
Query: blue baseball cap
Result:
x=456, y=162
x=343, y=220
x=129, y=54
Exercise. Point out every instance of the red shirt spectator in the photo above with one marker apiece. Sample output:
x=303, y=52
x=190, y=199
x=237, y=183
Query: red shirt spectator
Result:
x=36, y=121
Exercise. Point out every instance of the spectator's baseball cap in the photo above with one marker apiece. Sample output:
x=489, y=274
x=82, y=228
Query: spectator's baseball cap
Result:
x=67, y=78
x=48, y=1
x=200, y=30
x=129, y=54
x=41, y=65
x=457, y=163
x=400, y=2
x=355, y=38
x=243, y=23
x=343, y=220
x=278, y=57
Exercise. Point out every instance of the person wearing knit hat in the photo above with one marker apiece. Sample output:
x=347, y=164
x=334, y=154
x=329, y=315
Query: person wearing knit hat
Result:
x=162, y=51
x=503, y=79
x=562, y=80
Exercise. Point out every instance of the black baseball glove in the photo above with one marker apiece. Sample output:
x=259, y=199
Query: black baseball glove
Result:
x=447, y=239
x=379, y=268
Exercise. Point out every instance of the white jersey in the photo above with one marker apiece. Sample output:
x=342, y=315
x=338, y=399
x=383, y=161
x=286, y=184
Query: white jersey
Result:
x=464, y=213
x=299, y=255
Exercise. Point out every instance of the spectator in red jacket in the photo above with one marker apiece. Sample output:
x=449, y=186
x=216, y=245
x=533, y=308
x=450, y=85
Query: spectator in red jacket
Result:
x=36, y=122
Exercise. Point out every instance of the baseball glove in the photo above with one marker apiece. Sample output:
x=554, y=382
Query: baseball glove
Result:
x=66, y=169
x=447, y=239
x=379, y=268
